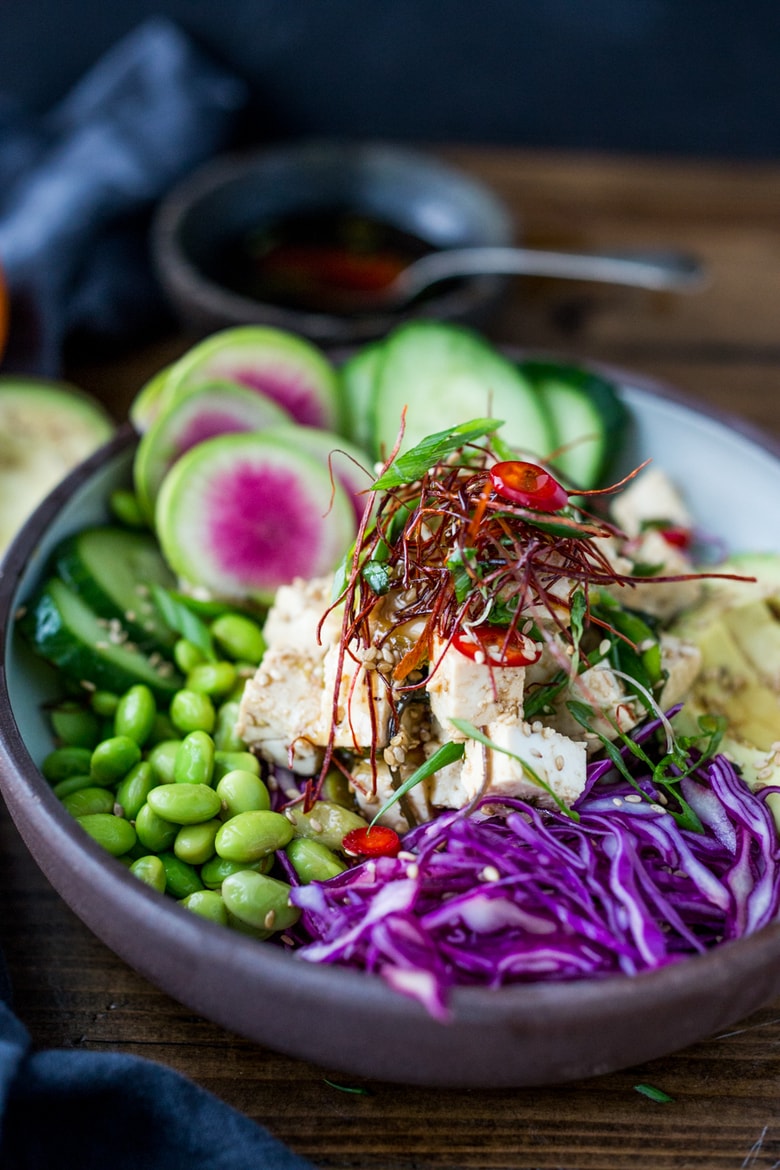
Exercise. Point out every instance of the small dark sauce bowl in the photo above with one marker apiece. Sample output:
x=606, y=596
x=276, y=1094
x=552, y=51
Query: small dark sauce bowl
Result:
x=409, y=191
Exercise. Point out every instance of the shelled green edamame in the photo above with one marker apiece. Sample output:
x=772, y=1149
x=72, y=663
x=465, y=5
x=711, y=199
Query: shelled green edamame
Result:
x=165, y=785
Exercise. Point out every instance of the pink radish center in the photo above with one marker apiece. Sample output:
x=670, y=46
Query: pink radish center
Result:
x=262, y=526
x=207, y=425
x=290, y=390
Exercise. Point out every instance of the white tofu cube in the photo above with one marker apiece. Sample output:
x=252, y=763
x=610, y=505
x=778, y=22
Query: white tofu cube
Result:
x=280, y=711
x=363, y=712
x=557, y=760
x=649, y=496
x=460, y=688
x=294, y=619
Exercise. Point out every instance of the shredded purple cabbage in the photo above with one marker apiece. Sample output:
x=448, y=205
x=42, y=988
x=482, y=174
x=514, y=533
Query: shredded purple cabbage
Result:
x=513, y=894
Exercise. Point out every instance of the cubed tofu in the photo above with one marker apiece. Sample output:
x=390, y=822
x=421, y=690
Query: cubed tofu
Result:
x=370, y=801
x=602, y=691
x=682, y=662
x=664, y=599
x=651, y=495
x=460, y=688
x=364, y=710
x=279, y=716
x=557, y=760
x=294, y=619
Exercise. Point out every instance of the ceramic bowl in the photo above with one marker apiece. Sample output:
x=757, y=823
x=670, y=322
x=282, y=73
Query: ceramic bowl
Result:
x=524, y=1035
x=407, y=189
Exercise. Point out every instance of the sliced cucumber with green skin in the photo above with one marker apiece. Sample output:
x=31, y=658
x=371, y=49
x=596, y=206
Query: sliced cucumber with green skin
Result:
x=288, y=369
x=444, y=374
x=46, y=428
x=358, y=379
x=349, y=464
x=67, y=632
x=240, y=515
x=111, y=569
x=147, y=404
x=587, y=416
x=219, y=408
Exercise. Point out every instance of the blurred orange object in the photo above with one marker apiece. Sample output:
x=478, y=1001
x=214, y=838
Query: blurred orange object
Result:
x=3, y=314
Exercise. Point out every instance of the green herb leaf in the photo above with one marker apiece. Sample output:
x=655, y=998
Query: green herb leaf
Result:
x=654, y=1094
x=377, y=575
x=180, y=618
x=465, y=570
x=466, y=728
x=413, y=464
x=347, y=1088
x=578, y=612
x=448, y=753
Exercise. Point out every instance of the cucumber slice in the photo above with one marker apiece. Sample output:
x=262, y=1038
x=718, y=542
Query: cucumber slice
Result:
x=46, y=428
x=288, y=369
x=147, y=404
x=444, y=374
x=588, y=419
x=111, y=569
x=240, y=515
x=348, y=464
x=219, y=408
x=67, y=632
x=358, y=378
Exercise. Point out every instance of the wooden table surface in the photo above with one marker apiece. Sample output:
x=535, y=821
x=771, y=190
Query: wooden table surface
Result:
x=720, y=345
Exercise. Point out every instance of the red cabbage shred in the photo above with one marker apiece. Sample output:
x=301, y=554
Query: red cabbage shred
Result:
x=509, y=893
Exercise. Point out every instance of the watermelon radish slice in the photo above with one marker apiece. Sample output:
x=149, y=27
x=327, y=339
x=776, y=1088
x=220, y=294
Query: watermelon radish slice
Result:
x=147, y=404
x=286, y=368
x=240, y=515
x=221, y=408
x=348, y=464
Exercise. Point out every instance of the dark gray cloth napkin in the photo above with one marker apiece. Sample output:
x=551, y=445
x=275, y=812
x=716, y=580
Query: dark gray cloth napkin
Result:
x=77, y=186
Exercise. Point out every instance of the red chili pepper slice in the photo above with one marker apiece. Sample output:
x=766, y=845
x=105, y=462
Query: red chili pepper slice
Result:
x=376, y=841
x=490, y=645
x=529, y=485
x=677, y=537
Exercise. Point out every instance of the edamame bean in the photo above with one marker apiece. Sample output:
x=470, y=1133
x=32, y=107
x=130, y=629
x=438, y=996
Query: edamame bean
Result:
x=75, y=725
x=208, y=904
x=194, y=762
x=163, y=729
x=104, y=704
x=187, y=655
x=126, y=508
x=214, y=871
x=195, y=843
x=226, y=737
x=181, y=879
x=216, y=679
x=238, y=637
x=135, y=714
x=114, y=834
x=191, y=711
x=248, y=836
x=72, y=784
x=133, y=790
x=113, y=758
x=184, y=804
x=258, y=900
x=162, y=758
x=66, y=761
x=150, y=869
x=88, y=800
x=313, y=861
x=335, y=789
x=242, y=791
x=325, y=822
x=230, y=761
x=154, y=833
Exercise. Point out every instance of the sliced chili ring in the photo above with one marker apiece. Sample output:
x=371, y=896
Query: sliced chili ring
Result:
x=496, y=646
x=373, y=841
x=528, y=484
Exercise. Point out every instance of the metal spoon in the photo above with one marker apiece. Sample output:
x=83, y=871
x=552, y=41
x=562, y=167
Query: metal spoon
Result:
x=676, y=271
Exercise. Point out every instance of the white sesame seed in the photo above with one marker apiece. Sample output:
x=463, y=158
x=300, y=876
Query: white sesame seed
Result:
x=413, y=870
x=269, y=920
x=634, y=798
x=490, y=874
x=604, y=646
x=659, y=808
x=617, y=801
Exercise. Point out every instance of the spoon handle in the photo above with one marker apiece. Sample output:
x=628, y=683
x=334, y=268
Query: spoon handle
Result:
x=652, y=270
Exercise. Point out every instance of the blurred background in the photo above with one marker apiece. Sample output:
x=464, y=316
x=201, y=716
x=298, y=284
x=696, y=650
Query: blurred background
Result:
x=698, y=77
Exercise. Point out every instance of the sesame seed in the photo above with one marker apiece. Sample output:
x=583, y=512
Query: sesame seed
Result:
x=617, y=801
x=634, y=798
x=604, y=646
x=404, y=855
x=413, y=870
x=659, y=808
x=269, y=920
x=559, y=763
x=316, y=826
x=291, y=817
x=490, y=874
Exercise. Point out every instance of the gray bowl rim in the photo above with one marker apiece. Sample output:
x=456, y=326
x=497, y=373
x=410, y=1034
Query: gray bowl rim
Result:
x=177, y=270
x=521, y=1009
